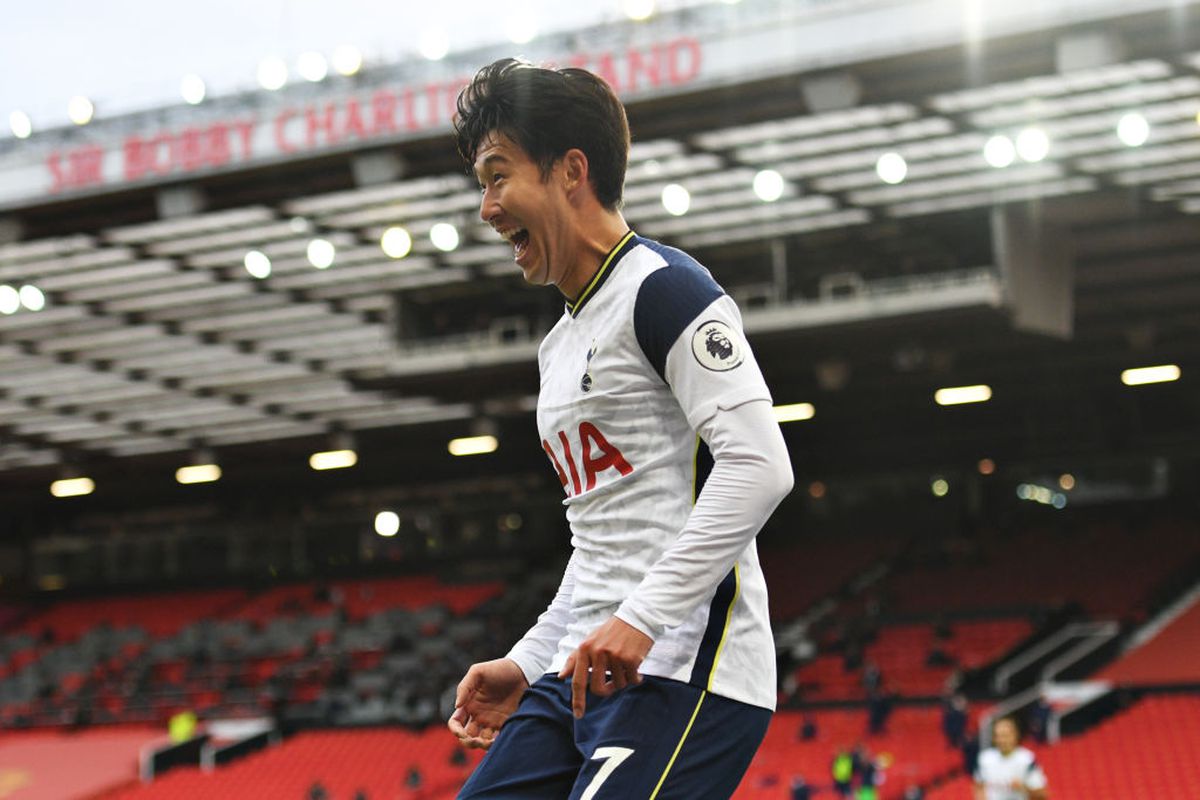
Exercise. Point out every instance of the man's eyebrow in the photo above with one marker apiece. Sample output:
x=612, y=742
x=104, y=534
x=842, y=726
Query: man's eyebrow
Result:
x=490, y=159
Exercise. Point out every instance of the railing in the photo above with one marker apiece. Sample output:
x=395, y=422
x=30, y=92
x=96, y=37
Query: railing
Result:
x=1079, y=630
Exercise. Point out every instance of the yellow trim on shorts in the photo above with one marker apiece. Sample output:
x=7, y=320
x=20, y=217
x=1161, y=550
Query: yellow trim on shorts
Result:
x=679, y=746
x=737, y=590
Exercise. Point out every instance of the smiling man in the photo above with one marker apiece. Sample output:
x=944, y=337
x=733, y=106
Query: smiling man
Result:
x=652, y=672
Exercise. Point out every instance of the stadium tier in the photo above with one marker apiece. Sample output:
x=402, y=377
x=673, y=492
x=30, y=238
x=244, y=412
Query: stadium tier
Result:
x=55, y=765
x=378, y=762
x=913, y=660
x=347, y=645
x=1103, y=566
x=1147, y=751
x=826, y=563
x=286, y=433
x=1171, y=656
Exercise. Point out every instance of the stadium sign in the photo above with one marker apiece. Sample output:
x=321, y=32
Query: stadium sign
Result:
x=327, y=124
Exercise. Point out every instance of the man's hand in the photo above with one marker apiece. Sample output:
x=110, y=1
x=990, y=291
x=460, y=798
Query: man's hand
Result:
x=608, y=660
x=487, y=695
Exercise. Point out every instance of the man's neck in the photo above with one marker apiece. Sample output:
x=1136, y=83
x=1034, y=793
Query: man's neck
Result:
x=593, y=244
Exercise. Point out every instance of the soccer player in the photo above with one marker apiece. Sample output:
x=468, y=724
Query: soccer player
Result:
x=652, y=672
x=1007, y=771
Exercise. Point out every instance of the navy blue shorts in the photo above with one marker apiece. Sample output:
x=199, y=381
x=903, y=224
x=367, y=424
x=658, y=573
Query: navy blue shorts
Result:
x=657, y=740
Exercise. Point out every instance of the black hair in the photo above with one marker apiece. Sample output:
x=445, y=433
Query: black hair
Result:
x=547, y=112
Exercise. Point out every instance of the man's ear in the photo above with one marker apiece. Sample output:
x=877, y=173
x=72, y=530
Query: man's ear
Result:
x=574, y=170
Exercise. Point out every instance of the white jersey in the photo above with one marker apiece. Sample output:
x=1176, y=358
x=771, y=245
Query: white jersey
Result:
x=997, y=773
x=629, y=376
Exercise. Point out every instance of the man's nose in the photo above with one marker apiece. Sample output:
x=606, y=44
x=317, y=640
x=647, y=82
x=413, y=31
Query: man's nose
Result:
x=488, y=208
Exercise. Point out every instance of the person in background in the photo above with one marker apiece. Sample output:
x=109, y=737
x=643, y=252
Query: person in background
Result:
x=808, y=728
x=1007, y=771
x=954, y=719
x=842, y=771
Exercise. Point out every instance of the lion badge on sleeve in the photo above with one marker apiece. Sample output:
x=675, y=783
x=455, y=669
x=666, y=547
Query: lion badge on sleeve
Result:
x=717, y=346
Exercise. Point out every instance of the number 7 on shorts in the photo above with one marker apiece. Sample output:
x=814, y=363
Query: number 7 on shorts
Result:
x=614, y=756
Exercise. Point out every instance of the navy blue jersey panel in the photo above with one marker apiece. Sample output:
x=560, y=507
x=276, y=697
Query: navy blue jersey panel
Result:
x=669, y=300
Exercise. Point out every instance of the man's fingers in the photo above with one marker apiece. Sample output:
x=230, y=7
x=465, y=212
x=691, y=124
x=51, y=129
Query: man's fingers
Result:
x=569, y=667
x=466, y=687
x=579, y=682
x=455, y=723
x=599, y=678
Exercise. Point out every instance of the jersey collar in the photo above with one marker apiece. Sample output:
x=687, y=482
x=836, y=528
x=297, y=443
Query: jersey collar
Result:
x=606, y=267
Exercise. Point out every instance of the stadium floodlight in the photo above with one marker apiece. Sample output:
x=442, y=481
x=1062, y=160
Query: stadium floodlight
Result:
x=638, y=9
x=387, y=523
x=473, y=445
x=891, y=168
x=192, y=88
x=940, y=487
x=1163, y=373
x=72, y=487
x=312, y=66
x=396, y=242
x=794, y=412
x=999, y=151
x=768, y=185
x=333, y=459
x=198, y=473
x=1133, y=129
x=958, y=395
x=1033, y=145
x=299, y=225
x=676, y=199
x=521, y=25
x=272, y=73
x=257, y=264
x=434, y=44
x=80, y=110
x=444, y=236
x=321, y=253
x=32, y=297
x=347, y=59
x=10, y=300
x=20, y=124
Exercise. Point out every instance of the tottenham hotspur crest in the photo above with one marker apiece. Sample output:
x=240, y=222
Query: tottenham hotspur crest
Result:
x=717, y=347
x=585, y=383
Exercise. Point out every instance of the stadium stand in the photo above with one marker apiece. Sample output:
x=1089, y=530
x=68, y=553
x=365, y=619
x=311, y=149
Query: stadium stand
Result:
x=1147, y=751
x=912, y=747
x=828, y=564
x=336, y=646
x=1172, y=656
x=1099, y=564
x=375, y=761
x=903, y=652
x=32, y=762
